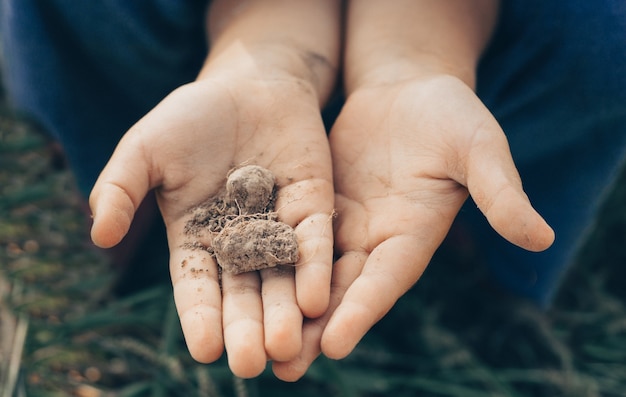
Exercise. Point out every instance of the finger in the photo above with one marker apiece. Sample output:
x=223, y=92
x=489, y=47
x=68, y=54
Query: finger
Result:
x=314, y=267
x=390, y=270
x=243, y=324
x=510, y=213
x=119, y=190
x=308, y=206
x=298, y=200
x=295, y=368
x=345, y=271
x=496, y=188
x=198, y=302
x=282, y=317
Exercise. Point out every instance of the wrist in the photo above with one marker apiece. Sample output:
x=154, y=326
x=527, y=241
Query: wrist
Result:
x=395, y=65
x=387, y=42
x=276, y=39
x=274, y=61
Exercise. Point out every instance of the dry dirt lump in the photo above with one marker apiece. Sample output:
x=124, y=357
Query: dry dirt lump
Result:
x=247, y=233
x=254, y=245
x=251, y=189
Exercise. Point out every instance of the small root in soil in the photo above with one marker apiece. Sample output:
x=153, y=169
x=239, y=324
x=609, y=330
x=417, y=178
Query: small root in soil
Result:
x=246, y=233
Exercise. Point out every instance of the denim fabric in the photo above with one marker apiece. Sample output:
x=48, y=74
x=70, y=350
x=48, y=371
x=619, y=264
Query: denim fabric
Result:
x=87, y=70
x=554, y=76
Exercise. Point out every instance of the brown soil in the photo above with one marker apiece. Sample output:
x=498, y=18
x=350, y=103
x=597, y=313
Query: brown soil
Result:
x=244, y=229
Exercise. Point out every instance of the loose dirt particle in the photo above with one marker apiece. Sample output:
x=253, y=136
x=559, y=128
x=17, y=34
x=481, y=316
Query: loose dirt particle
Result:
x=245, y=230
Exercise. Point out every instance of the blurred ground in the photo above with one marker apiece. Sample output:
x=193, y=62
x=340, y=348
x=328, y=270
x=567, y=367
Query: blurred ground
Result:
x=63, y=334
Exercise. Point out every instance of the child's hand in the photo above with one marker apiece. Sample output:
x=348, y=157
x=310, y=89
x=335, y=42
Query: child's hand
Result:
x=184, y=148
x=405, y=156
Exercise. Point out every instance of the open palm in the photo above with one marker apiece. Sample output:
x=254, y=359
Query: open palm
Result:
x=405, y=158
x=184, y=149
x=402, y=174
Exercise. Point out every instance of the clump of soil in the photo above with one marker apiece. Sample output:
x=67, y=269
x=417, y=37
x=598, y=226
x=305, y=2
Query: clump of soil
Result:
x=245, y=232
x=255, y=244
x=251, y=189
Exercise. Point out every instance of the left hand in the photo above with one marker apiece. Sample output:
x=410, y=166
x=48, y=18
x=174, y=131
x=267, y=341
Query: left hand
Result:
x=405, y=157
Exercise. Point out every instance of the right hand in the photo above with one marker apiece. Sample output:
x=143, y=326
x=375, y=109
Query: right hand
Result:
x=184, y=149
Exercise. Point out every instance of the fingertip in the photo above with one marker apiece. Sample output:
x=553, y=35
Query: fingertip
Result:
x=338, y=339
x=248, y=365
x=245, y=347
x=108, y=232
x=550, y=237
x=293, y=370
x=530, y=231
x=290, y=371
x=336, y=348
x=113, y=213
x=284, y=349
x=283, y=334
x=313, y=301
x=514, y=218
x=315, y=311
x=314, y=269
x=204, y=341
x=542, y=239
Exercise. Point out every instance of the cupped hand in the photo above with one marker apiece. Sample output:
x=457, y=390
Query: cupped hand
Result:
x=405, y=157
x=184, y=149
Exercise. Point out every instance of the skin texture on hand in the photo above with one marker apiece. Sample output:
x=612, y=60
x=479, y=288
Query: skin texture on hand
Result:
x=184, y=149
x=410, y=144
x=406, y=154
x=257, y=100
x=405, y=157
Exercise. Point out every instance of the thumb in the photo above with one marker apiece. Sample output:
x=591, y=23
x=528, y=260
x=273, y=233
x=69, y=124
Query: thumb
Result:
x=120, y=188
x=495, y=185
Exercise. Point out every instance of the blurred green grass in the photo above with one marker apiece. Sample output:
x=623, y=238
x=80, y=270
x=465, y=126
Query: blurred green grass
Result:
x=63, y=334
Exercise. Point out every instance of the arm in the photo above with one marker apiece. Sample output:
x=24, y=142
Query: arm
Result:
x=410, y=144
x=256, y=101
x=435, y=45
x=299, y=37
x=406, y=39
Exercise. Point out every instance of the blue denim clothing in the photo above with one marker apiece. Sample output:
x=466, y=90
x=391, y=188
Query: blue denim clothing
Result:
x=554, y=76
x=88, y=70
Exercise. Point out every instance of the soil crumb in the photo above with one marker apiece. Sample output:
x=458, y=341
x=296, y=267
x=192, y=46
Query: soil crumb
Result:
x=255, y=244
x=246, y=234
